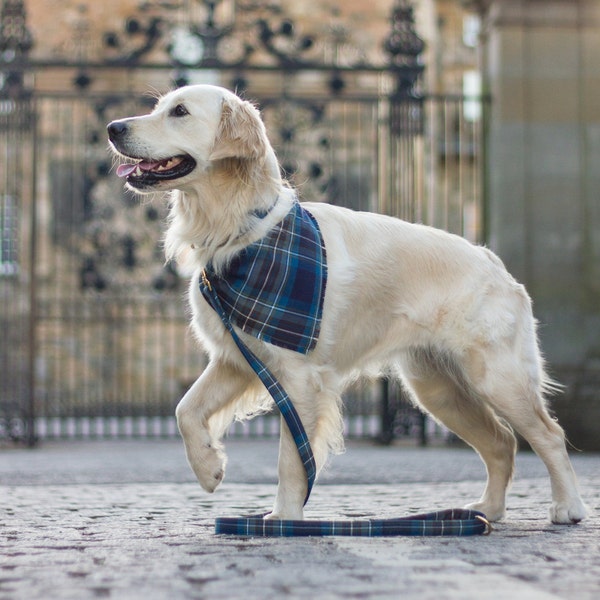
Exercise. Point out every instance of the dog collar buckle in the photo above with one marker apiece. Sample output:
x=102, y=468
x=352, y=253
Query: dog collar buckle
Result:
x=205, y=280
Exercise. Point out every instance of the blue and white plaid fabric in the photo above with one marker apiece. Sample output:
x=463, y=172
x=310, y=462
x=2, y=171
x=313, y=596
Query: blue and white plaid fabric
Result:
x=451, y=522
x=274, y=289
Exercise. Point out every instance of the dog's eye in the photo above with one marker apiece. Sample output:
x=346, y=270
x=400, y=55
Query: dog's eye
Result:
x=178, y=111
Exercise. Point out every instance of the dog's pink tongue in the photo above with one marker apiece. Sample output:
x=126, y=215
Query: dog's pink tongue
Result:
x=128, y=169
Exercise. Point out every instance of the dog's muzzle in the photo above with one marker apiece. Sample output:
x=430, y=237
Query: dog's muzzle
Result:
x=146, y=172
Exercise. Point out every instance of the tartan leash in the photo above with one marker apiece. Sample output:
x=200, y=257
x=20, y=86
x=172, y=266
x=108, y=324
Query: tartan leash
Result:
x=451, y=522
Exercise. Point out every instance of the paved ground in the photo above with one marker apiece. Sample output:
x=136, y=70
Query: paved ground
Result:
x=126, y=520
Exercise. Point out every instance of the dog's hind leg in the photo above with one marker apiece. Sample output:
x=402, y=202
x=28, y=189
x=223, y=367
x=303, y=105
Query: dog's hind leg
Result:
x=513, y=388
x=217, y=388
x=478, y=426
x=547, y=439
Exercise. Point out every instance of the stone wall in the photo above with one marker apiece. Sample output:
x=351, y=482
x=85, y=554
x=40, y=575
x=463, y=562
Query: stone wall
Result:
x=542, y=67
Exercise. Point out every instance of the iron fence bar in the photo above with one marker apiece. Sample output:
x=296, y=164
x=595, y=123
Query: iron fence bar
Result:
x=30, y=411
x=118, y=97
x=34, y=63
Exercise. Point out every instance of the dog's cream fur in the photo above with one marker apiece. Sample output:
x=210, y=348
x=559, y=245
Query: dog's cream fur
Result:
x=413, y=302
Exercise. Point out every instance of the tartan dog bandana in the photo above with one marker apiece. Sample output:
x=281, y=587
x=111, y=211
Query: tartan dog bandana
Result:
x=274, y=288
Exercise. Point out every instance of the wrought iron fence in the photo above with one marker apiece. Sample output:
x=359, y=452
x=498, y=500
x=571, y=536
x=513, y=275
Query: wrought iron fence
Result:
x=95, y=340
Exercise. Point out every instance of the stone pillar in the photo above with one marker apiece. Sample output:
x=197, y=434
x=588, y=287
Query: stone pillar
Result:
x=542, y=69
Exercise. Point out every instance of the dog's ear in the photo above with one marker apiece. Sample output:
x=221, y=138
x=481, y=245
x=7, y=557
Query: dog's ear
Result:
x=241, y=132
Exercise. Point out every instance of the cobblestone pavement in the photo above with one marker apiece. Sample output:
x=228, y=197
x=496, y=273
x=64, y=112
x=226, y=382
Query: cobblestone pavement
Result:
x=126, y=520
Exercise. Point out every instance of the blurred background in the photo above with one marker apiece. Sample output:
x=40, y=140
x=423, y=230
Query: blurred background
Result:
x=479, y=117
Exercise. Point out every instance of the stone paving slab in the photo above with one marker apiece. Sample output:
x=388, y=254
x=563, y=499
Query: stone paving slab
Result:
x=145, y=540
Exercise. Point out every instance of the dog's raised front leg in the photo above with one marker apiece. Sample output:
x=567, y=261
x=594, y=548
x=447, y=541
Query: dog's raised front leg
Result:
x=218, y=386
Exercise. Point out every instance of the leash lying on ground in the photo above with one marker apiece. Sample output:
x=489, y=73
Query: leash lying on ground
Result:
x=452, y=522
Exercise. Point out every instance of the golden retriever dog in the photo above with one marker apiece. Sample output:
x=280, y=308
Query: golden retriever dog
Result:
x=402, y=299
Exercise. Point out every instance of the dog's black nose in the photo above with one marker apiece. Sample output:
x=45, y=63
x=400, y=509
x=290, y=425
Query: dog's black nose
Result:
x=116, y=129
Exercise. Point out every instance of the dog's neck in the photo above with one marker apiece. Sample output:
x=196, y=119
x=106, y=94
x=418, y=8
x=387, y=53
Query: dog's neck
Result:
x=214, y=219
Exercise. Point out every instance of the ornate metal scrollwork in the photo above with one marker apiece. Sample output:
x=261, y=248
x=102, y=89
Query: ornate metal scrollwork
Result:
x=15, y=38
x=244, y=39
x=16, y=42
x=253, y=35
x=404, y=48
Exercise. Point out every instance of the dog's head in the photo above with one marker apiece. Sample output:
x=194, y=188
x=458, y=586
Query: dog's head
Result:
x=189, y=130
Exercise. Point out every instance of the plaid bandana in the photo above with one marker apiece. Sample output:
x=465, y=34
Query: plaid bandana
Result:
x=274, y=288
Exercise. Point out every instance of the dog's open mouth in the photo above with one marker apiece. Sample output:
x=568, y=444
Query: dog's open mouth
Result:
x=145, y=173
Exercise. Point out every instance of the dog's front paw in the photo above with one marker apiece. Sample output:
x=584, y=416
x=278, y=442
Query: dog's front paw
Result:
x=568, y=512
x=492, y=512
x=289, y=515
x=208, y=463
